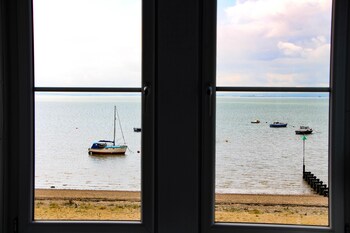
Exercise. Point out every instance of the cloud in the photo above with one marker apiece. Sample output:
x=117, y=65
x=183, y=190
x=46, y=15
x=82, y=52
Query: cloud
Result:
x=290, y=49
x=260, y=42
x=287, y=38
x=285, y=18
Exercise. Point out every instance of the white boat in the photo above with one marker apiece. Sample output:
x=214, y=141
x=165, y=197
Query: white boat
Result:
x=255, y=122
x=109, y=147
x=304, y=130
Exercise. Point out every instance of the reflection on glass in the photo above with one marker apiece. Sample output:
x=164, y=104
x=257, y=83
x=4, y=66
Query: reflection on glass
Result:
x=70, y=183
x=259, y=167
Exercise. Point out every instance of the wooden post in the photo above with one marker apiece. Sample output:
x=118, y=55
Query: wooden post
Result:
x=303, y=138
x=303, y=156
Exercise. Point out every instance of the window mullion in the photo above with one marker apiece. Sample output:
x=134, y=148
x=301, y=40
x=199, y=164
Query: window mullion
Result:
x=177, y=117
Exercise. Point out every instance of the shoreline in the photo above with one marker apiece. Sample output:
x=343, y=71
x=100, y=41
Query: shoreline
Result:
x=221, y=198
x=65, y=204
x=65, y=194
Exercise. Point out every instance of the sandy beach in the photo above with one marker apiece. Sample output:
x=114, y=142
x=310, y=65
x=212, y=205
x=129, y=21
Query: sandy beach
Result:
x=55, y=204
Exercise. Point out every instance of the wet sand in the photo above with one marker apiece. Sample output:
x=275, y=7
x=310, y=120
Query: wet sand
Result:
x=55, y=204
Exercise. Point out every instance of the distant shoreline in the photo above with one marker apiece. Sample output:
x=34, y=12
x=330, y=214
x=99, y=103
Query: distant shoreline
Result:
x=219, y=94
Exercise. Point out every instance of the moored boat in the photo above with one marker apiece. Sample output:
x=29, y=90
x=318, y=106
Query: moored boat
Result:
x=109, y=147
x=277, y=124
x=304, y=130
x=255, y=122
x=137, y=130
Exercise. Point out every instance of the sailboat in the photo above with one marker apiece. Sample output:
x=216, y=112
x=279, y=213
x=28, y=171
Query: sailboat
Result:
x=107, y=146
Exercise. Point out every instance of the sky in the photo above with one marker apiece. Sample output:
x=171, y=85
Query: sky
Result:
x=94, y=43
x=97, y=43
x=273, y=43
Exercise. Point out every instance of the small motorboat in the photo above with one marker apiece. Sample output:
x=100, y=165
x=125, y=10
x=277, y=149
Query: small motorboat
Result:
x=277, y=124
x=137, y=130
x=304, y=130
x=255, y=122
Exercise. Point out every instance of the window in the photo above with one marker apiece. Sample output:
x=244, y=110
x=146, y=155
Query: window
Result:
x=261, y=162
x=244, y=146
x=72, y=56
x=179, y=58
x=93, y=50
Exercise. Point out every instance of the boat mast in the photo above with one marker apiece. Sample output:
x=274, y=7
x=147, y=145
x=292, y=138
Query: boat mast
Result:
x=120, y=125
x=115, y=110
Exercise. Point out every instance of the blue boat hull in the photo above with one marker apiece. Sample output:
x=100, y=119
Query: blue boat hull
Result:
x=278, y=125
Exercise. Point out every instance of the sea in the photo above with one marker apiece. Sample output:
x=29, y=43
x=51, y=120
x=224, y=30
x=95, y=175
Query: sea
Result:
x=250, y=158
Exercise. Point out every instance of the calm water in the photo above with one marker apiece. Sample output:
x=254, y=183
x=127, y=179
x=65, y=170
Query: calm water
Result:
x=250, y=158
x=254, y=158
x=65, y=129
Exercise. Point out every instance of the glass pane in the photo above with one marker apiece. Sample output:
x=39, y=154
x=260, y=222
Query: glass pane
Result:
x=262, y=142
x=77, y=176
x=273, y=42
x=87, y=43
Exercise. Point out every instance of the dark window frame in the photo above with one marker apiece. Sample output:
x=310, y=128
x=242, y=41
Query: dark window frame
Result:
x=182, y=44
